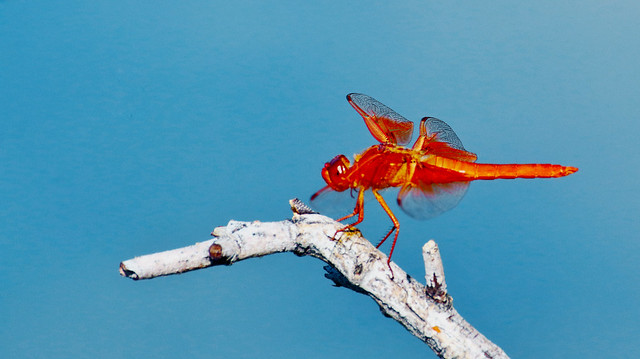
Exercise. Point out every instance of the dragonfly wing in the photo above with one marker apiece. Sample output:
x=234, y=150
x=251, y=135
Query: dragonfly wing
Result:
x=428, y=200
x=335, y=204
x=443, y=141
x=385, y=125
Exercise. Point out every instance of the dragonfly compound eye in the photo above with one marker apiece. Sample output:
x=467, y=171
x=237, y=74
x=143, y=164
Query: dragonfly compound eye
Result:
x=334, y=172
x=338, y=165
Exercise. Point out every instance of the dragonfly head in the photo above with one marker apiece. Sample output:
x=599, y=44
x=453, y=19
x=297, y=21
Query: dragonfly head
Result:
x=335, y=173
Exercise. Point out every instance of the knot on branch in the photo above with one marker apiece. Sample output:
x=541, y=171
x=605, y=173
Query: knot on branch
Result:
x=216, y=255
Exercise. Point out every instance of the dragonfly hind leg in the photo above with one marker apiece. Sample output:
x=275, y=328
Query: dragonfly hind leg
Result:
x=396, y=225
x=386, y=236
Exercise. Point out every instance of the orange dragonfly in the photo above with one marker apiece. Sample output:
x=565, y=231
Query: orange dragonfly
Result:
x=433, y=175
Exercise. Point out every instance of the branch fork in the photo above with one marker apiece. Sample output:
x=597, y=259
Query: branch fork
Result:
x=353, y=262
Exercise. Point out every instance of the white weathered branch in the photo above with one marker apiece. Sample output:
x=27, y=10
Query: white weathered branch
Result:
x=425, y=311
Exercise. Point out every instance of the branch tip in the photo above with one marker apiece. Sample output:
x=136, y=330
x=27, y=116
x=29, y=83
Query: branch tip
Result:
x=127, y=273
x=434, y=274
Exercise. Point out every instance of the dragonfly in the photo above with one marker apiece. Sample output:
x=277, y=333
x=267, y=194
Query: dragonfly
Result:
x=432, y=175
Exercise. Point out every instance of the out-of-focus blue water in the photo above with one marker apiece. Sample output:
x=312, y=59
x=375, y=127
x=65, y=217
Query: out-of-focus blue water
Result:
x=134, y=127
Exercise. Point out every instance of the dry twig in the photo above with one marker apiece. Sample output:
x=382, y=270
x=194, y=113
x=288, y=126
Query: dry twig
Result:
x=425, y=311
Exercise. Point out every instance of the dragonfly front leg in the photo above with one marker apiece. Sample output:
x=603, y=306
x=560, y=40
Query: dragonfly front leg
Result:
x=358, y=210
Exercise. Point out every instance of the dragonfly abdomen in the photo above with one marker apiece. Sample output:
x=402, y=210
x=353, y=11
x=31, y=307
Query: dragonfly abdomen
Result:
x=487, y=171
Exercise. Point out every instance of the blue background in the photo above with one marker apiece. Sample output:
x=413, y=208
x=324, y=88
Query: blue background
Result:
x=134, y=127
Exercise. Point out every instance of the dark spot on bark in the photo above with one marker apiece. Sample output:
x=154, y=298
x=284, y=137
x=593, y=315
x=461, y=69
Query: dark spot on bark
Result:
x=358, y=269
x=437, y=293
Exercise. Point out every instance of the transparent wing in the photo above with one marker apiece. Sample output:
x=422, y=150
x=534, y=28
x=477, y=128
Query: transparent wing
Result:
x=384, y=124
x=336, y=204
x=332, y=203
x=426, y=201
x=443, y=141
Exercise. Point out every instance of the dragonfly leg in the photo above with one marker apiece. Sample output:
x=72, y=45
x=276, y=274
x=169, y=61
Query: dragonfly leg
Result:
x=358, y=210
x=396, y=225
x=393, y=228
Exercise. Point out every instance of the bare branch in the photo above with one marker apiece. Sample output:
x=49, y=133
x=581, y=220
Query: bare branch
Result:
x=434, y=273
x=425, y=311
